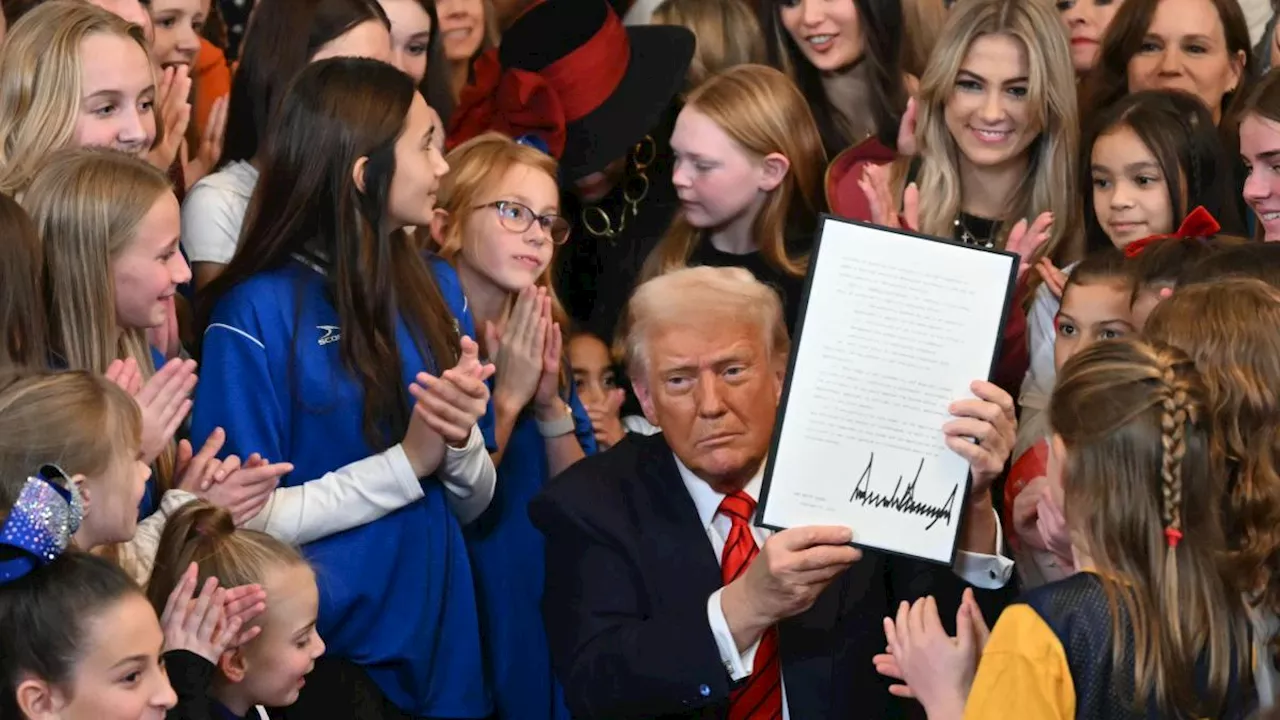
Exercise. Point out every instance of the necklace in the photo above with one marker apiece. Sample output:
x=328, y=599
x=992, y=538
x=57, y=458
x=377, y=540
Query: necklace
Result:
x=968, y=238
x=634, y=190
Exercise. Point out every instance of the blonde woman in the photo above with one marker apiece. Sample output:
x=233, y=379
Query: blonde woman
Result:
x=727, y=31
x=72, y=75
x=998, y=129
x=749, y=166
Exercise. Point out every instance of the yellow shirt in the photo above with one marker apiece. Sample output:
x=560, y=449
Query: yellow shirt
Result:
x=1023, y=673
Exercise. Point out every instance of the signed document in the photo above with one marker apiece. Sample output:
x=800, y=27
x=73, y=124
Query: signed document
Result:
x=894, y=329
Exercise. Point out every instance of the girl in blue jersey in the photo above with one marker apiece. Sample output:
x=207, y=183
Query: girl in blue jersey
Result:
x=109, y=226
x=322, y=319
x=499, y=224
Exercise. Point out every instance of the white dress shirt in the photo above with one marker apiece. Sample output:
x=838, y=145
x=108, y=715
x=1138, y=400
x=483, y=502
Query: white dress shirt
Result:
x=990, y=572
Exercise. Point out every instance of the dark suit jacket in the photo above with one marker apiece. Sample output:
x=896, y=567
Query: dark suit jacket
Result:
x=629, y=571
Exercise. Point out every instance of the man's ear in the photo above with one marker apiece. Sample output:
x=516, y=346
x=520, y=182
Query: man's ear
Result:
x=646, y=402
x=37, y=699
x=775, y=167
x=357, y=172
x=233, y=666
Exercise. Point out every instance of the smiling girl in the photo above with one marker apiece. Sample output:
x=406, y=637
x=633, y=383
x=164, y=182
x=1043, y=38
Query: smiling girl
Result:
x=95, y=88
x=498, y=223
x=1260, y=152
x=271, y=669
x=748, y=173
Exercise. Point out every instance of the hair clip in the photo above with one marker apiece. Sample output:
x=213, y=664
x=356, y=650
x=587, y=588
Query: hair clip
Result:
x=40, y=524
x=1172, y=536
x=535, y=142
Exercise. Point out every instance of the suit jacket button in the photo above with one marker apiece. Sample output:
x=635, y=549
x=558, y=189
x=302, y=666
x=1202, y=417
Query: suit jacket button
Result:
x=704, y=690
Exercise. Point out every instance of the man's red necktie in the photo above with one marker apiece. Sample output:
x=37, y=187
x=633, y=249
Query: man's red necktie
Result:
x=760, y=695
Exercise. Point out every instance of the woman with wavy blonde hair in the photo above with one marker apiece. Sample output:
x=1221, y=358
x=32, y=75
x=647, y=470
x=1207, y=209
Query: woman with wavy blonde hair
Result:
x=749, y=168
x=72, y=75
x=998, y=128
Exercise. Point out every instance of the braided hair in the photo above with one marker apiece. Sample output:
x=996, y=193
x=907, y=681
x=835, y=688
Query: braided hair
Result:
x=1141, y=501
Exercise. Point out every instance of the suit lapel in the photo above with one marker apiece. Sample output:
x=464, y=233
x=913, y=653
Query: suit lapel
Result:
x=673, y=533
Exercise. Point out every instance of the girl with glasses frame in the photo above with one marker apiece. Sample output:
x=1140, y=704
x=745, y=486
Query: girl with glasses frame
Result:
x=497, y=221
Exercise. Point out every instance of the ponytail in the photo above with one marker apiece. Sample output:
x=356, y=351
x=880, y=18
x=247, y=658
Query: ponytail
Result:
x=206, y=535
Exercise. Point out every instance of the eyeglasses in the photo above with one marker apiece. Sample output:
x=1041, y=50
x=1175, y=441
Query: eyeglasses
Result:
x=519, y=218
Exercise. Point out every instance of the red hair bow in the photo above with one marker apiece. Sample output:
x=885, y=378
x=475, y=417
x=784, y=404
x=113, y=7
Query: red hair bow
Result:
x=513, y=102
x=1200, y=223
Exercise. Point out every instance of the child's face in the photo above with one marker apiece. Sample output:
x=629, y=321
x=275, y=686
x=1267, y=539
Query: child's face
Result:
x=117, y=108
x=111, y=500
x=119, y=676
x=718, y=182
x=1130, y=193
x=494, y=246
x=277, y=662
x=592, y=370
x=149, y=269
x=1090, y=312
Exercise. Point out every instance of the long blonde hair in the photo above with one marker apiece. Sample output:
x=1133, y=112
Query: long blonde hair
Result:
x=1050, y=180
x=40, y=92
x=87, y=205
x=761, y=110
x=1142, y=500
x=727, y=31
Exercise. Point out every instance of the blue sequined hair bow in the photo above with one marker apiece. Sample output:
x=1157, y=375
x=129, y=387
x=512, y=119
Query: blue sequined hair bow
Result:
x=40, y=524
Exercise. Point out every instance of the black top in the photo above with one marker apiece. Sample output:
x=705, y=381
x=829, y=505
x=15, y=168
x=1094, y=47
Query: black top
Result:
x=595, y=275
x=1078, y=612
x=789, y=287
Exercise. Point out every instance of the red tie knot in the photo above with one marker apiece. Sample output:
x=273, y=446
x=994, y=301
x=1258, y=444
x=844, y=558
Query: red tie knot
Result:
x=738, y=506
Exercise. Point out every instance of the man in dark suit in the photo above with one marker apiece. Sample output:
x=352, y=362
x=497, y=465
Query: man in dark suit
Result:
x=662, y=601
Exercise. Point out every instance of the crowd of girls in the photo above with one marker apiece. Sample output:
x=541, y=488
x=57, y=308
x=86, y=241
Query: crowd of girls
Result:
x=299, y=315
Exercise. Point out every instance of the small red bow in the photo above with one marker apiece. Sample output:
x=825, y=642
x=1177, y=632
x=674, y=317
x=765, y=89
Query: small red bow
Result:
x=1199, y=223
x=513, y=102
x=1172, y=536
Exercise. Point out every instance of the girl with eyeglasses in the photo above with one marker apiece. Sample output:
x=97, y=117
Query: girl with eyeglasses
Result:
x=498, y=222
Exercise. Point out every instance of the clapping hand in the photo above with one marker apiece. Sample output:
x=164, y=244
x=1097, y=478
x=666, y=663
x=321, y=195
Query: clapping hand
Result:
x=934, y=668
x=1025, y=239
x=519, y=349
x=175, y=112
x=210, y=624
x=164, y=401
x=446, y=408
x=875, y=186
x=210, y=150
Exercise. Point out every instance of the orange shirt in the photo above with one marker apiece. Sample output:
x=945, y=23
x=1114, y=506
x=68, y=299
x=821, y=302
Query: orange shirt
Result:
x=211, y=77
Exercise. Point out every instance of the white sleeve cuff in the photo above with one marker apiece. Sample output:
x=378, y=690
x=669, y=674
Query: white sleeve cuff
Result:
x=738, y=665
x=989, y=572
x=469, y=476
